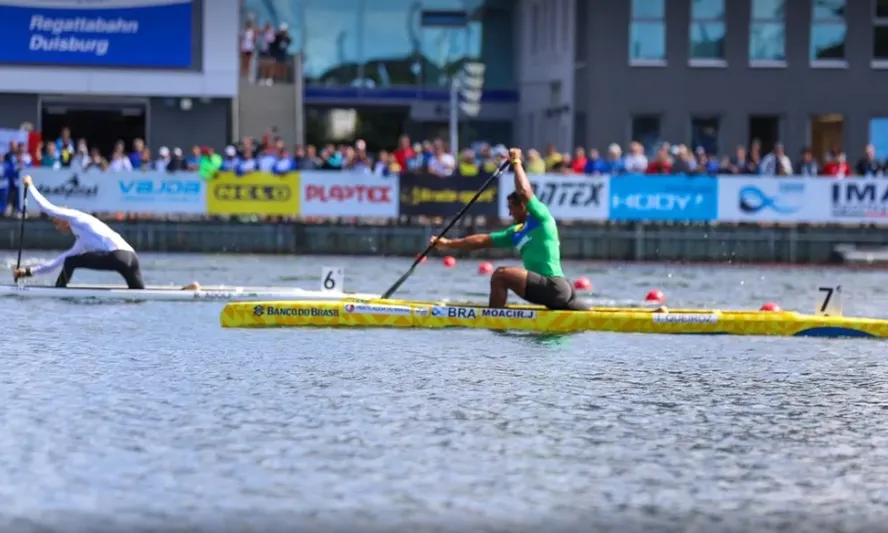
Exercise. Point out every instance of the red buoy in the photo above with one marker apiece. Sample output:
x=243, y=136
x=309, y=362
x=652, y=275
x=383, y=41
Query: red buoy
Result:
x=485, y=267
x=655, y=296
x=449, y=261
x=771, y=306
x=582, y=284
x=423, y=260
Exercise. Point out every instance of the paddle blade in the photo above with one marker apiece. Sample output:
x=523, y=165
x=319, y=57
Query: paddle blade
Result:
x=387, y=294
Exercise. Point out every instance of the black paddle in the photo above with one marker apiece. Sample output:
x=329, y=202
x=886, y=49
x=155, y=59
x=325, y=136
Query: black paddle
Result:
x=18, y=262
x=496, y=174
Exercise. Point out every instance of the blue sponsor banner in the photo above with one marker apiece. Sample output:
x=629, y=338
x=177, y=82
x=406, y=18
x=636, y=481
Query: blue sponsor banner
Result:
x=663, y=198
x=97, y=33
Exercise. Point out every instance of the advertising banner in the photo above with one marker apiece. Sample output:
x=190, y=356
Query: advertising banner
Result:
x=99, y=33
x=257, y=193
x=568, y=197
x=95, y=191
x=856, y=200
x=433, y=196
x=770, y=199
x=347, y=194
x=663, y=198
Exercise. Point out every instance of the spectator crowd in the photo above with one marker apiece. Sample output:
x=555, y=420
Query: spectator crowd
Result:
x=270, y=154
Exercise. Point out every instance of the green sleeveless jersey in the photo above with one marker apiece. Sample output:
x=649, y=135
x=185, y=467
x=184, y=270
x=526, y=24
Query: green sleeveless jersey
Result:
x=536, y=240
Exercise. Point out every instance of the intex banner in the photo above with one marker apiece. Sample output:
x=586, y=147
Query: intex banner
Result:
x=345, y=194
x=97, y=33
x=568, y=197
x=94, y=191
x=434, y=196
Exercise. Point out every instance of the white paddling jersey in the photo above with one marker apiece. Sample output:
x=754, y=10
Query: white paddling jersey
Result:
x=92, y=234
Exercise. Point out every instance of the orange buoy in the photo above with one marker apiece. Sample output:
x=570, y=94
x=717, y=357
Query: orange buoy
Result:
x=655, y=296
x=449, y=261
x=485, y=267
x=771, y=306
x=582, y=284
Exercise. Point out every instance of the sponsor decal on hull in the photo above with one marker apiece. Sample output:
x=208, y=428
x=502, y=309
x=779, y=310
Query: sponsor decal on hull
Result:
x=270, y=310
x=369, y=309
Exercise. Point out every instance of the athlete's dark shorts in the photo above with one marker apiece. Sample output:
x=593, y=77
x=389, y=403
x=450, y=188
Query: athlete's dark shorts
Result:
x=555, y=293
x=123, y=262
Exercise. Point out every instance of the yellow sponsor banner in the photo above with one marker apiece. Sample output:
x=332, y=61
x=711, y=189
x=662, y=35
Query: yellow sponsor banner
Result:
x=256, y=193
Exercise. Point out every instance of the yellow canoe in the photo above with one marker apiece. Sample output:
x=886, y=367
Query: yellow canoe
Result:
x=353, y=313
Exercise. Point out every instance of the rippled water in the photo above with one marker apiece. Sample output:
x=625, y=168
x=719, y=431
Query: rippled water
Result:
x=150, y=414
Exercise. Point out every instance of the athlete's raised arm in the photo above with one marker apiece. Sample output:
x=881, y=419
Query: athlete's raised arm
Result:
x=522, y=184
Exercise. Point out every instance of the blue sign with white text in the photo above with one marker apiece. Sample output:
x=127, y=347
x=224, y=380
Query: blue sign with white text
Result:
x=99, y=33
x=663, y=198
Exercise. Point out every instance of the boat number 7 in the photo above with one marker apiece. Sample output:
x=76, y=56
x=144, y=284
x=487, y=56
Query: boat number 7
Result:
x=829, y=294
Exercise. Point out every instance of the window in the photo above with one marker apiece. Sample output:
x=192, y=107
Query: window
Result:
x=646, y=130
x=535, y=29
x=767, y=32
x=390, y=57
x=704, y=134
x=647, y=32
x=880, y=31
x=708, y=30
x=878, y=136
x=447, y=38
x=332, y=41
x=828, y=30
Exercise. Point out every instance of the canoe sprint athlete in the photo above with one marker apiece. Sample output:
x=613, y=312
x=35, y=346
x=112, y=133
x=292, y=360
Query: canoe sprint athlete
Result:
x=535, y=236
x=97, y=247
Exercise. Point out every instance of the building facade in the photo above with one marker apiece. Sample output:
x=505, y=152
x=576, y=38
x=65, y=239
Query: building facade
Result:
x=720, y=73
x=162, y=70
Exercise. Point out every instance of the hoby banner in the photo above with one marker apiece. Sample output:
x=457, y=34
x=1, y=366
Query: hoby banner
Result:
x=97, y=33
x=94, y=191
x=433, y=196
x=640, y=198
x=256, y=193
x=567, y=197
x=347, y=194
x=770, y=199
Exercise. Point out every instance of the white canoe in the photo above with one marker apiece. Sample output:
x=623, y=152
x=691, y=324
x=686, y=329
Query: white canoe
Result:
x=173, y=293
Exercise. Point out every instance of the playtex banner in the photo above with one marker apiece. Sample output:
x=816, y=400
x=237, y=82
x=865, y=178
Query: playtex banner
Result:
x=347, y=194
x=568, y=197
x=97, y=33
x=770, y=199
x=638, y=198
x=94, y=191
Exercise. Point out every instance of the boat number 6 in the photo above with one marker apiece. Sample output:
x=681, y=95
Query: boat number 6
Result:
x=331, y=279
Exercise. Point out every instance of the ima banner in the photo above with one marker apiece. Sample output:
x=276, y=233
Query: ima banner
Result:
x=568, y=197
x=434, y=196
x=347, y=194
x=94, y=191
x=256, y=193
x=98, y=33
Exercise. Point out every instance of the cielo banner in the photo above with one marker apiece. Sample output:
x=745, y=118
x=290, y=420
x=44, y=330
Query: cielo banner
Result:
x=567, y=197
x=95, y=191
x=97, y=33
x=659, y=198
x=771, y=199
x=434, y=196
x=347, y=194
x=855, y=200
x=256, y=193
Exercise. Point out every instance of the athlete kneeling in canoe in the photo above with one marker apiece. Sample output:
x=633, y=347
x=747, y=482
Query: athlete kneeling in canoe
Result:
x=97, y=247
x=535, y=235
